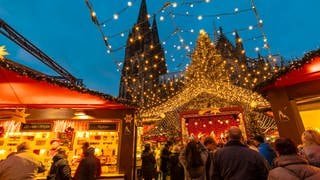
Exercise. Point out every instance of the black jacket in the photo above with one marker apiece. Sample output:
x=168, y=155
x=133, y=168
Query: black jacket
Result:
x=148, y=164
x=164, y=157
x=60, y=168
x=236, y=161
x=176, y=169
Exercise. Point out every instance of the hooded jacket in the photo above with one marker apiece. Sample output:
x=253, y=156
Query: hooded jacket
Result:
x=293, y=167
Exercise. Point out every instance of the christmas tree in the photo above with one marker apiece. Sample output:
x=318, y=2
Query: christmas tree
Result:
x=207, y=63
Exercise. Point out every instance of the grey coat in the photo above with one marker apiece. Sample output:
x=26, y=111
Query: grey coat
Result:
x=293, y=167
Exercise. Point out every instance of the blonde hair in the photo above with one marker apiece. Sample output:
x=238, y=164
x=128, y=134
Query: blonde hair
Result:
x=309, y=137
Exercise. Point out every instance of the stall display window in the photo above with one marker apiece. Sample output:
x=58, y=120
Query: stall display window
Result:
x=106, y=148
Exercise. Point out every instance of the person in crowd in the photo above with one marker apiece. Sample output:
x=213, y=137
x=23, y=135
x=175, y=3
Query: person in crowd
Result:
x=164, y=160
x=85, y=147
x=311, y=146
x=148, y=163
x=193, y=159
x=55, y=146
x=60, y=169
x=176, y=169
x=251, y=145
x=289, y=165
x=22, y=165
x=265, y=149
x=236, y=161
x=87, y=167
x=211, y=145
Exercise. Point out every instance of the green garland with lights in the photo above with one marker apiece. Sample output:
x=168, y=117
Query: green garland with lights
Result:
x=308, y=57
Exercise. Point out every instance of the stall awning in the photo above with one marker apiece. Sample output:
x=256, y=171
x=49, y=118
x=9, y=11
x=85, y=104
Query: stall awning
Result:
x=23, y=91
x=308, y=72
x=302, y=72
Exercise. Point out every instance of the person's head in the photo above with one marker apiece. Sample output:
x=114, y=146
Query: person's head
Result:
x=169, y=143
x=24, y=146
x=285, y=146
x=176, y=149
x=310, y=137
x=63, y=152
x=89, y=152
x=85, y=146
x=147, y=147
x=55, y=144
x=210, y=143
x=258, y=139
x=234, y=133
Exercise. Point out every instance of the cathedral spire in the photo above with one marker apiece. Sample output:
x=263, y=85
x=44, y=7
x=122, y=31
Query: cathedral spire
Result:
x=239, y=49
x=143, y=19
x=155, y=31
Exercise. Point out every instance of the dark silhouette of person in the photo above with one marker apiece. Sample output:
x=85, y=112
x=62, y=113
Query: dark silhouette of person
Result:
x=148, y=163
x=237, y=161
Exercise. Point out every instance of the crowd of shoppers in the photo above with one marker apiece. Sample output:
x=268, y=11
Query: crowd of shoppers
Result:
x=25, y=164
x=254, y=159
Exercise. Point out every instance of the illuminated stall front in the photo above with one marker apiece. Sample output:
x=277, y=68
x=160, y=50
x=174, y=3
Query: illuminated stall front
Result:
x=38, y=109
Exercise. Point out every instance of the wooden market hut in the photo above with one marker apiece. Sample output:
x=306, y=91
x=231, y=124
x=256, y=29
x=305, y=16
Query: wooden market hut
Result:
x=37, y=107
x=294, y=94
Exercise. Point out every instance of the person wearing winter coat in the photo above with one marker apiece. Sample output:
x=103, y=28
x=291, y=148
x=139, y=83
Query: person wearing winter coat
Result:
x=148, y=163
x=211, y=145
x=236, y=161
x=87, y=168
x=289, y=165
x=265, y=149
x=311, y=146
x=175, y=167
x=60, y=169
x=164, y=160
x=22, y=165
x=194, y=158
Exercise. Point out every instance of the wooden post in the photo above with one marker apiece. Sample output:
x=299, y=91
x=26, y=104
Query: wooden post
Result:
x=286, y=114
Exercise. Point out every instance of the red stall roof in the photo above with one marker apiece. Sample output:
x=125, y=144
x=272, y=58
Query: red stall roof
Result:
x=302, y=71
x=24, y=87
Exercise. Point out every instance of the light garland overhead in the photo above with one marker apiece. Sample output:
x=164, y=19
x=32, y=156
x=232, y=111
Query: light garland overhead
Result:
x=178, y=42
x=207, y=74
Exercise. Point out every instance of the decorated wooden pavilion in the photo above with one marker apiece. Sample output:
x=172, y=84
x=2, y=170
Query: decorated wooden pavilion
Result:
x=208, y=103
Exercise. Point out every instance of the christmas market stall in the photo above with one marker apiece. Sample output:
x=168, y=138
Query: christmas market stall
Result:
x=41, y=109
x=294, y=96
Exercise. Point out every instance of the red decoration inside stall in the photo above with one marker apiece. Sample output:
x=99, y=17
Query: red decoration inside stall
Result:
x=217, y=125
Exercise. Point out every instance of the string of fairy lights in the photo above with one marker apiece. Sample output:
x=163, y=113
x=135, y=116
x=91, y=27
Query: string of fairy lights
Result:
x=168, y=9
x=207, y=74
x=178, y=44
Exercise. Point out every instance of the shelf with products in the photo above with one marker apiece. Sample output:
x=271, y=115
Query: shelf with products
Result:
x=38, y=141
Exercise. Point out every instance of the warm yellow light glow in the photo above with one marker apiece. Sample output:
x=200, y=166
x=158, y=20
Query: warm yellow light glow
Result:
x=3, y=52
x=310, y=119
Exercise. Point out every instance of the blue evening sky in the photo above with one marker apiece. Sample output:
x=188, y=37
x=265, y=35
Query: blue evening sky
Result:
x=63, y=29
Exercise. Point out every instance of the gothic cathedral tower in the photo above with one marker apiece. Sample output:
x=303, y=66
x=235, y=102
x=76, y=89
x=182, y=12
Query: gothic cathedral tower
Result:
x=144, y=61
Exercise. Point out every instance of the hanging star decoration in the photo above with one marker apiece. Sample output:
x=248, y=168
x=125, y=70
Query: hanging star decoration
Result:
x=3, y=52
x=18, y=115
x=128, y=118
